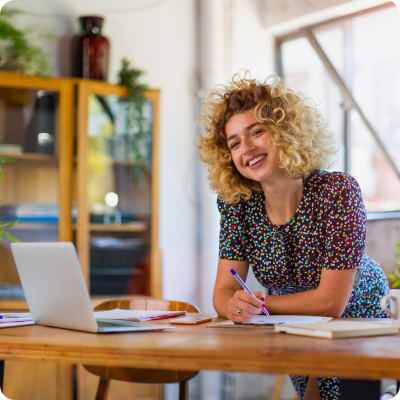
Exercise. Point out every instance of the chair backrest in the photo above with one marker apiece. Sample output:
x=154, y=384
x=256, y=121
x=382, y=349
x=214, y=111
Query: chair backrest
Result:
x=142, y=303
x=140, y=375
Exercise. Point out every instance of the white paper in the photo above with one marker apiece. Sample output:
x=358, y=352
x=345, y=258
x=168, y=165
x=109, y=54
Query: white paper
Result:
x=10, y=322
x=15, y=315
x=136, y=315
x=281, y=320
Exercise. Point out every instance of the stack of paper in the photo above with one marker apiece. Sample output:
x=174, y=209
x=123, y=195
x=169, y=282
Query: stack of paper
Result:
x=8, y=320
x=270, y=320
x=137, y=315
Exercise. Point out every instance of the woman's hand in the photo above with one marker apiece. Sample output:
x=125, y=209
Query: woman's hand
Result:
x=230, y=301
x=243, y=307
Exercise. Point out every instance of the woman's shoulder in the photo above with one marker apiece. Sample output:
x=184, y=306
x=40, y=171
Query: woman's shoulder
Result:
x=333, y=181
x=240, y=207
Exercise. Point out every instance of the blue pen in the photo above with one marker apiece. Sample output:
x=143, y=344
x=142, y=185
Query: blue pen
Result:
x=246, y=289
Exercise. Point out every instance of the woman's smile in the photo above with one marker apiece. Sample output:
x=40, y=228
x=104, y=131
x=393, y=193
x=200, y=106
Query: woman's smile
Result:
x=256, y=161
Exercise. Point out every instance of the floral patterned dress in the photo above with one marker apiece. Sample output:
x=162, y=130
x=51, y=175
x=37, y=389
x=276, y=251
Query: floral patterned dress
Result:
x=327, y=232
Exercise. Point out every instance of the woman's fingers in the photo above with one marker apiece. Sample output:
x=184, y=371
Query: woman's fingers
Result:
x=248, y=298
x=243, y=307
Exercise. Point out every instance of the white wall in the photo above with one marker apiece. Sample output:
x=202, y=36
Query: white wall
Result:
x=161, y=41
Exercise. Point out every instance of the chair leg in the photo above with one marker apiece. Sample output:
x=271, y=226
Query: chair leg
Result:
x=279, y=381
x=102, y=390
x=183, y=390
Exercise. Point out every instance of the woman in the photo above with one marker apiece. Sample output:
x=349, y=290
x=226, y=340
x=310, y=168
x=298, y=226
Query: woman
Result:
x=300, y=228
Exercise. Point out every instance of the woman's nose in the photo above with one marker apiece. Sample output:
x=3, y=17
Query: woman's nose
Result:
x=248, y=146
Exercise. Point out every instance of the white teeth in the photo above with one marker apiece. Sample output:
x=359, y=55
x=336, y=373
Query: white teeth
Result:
x=256, y=160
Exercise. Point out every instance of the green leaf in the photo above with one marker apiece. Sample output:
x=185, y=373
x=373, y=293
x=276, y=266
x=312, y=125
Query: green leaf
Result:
x=1, y=217
x=391, y=277
x=5, y=159
x=1, y=235
x=11, y=237
x=7, y=225
x=396, y=284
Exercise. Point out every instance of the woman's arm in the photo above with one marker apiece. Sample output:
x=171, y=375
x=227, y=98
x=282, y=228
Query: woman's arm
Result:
x=229, y=297
x=329, y=299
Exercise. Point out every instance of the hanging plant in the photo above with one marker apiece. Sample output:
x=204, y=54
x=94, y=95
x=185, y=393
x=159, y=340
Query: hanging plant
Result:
x=4, y=226
x=138, y=137
x=18, y=50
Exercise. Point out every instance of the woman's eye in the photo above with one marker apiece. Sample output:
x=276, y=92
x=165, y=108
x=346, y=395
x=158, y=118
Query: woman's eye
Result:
x=257, y=132
x=233, y=145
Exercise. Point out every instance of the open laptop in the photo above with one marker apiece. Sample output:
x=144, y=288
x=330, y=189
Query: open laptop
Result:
x=56, y=292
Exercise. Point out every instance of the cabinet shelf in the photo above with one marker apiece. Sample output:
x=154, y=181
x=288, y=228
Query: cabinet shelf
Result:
x=35, y=226
x=30, y=156
x=131, y=227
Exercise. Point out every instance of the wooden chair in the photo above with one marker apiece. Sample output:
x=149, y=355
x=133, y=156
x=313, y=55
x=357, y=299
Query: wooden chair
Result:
x=140, y=375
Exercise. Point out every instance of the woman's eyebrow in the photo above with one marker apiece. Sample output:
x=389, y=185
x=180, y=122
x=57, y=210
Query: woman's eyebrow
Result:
x=253, y=125
x=247, y=129
x=231, y=137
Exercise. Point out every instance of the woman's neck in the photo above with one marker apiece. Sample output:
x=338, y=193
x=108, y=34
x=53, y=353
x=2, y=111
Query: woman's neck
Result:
x=282, y=198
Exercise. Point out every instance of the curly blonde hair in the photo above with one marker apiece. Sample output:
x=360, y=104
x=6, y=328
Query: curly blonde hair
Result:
x=296, y=126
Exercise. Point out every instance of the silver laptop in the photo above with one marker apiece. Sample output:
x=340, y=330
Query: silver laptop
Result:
x=56, y=292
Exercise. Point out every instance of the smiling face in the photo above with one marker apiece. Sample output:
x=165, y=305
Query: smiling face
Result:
x=252, y=150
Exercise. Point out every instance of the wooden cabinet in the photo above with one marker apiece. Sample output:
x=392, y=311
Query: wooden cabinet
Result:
x=70, y=145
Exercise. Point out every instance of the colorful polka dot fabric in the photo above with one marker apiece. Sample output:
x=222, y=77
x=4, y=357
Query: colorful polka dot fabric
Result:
x=327, y=231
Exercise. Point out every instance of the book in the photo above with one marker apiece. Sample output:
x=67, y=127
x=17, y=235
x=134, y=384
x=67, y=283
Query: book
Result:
x=10, y=320
x=338, y=329
x=10, y=148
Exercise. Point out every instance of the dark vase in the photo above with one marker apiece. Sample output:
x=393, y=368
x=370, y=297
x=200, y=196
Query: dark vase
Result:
x=40, y=132
x=90, y=50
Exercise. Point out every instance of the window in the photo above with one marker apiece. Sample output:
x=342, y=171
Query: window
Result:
x=365, y=51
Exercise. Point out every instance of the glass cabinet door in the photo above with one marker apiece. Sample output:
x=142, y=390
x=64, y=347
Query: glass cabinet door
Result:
x=115, y=218
x=30, y=141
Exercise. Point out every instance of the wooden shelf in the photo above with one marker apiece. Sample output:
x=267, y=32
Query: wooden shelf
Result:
x=132, y=227
x=36, y=226
x=29, y=156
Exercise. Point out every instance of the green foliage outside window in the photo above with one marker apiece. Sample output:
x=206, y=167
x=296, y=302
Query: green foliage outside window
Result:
x=394, y=279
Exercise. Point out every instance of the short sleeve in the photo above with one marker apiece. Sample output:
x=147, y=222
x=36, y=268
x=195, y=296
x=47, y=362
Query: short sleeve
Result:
x=231, y=229
x=345, y=223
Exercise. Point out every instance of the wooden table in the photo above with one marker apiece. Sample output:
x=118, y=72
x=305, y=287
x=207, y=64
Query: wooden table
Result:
x=257, y=350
